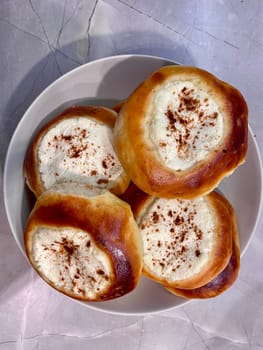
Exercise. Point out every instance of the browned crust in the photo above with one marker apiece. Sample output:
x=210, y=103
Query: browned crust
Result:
x=221, y=282
x=222, y=251
x=110, y=223
x=140, y=159
x=31, y=163
x=118, y=106
x=137, y=200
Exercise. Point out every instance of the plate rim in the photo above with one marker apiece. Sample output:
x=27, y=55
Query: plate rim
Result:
x=14, y=135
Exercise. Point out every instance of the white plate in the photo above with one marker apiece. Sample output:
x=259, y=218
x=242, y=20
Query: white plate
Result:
x=105, y=82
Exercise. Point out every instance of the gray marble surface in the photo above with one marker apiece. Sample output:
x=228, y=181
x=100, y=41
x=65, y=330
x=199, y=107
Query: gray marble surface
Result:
x=42, y=40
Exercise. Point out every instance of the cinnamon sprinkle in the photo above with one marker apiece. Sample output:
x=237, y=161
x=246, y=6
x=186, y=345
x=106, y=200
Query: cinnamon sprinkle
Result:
x=182, y=122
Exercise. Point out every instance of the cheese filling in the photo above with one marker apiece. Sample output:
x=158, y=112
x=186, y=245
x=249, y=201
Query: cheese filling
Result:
x=177, y=237
x=186, y=124
x=70, y=259
x=78, y=150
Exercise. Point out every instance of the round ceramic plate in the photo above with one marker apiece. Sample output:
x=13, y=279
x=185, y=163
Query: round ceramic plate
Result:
x=106, y=82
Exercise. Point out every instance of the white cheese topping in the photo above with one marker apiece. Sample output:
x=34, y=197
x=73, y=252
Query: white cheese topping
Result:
x=186, y=124
x=71, y=260
x=177, y=237
x=79, y=150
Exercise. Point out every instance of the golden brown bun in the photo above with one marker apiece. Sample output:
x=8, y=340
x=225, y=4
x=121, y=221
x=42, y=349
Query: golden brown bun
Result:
x=32, y=163
x=176, y=239
x=84, y=242
x=136, y=144
x=221, y=282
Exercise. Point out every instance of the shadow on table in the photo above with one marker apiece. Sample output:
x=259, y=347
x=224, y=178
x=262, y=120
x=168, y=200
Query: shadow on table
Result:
x=63, y=60
x=58, y=62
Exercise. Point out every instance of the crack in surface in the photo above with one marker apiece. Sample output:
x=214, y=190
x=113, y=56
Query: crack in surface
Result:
x=25, y=311
x=45, y=34
x=73, y=13
x=54, y=49
x=177, y=32
x=59, y=50
x=150, y=17
x=74, y=60
x=61, y=26
x=57, y=45
x=22, y=30
x=196, y=330
x=216, y=38
x=209, y=333
x=88, y=28
x=41, y=23
x=91, y=337
x=34, y=82
x=165, y=25
x=7, y=342
x=249, y=336
x=141, y=322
